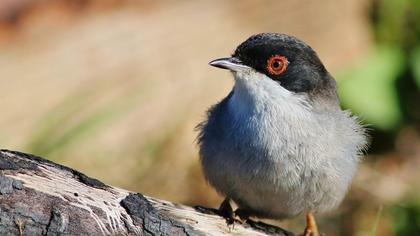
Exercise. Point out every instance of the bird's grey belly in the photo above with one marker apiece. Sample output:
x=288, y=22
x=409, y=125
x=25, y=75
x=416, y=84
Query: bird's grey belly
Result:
x=273, y=187
x=277, y=166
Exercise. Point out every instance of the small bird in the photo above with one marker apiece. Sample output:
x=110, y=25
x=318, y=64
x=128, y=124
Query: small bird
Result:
x=279, y=144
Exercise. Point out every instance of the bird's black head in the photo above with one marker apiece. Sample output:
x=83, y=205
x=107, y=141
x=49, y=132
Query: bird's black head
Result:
x=283, y=58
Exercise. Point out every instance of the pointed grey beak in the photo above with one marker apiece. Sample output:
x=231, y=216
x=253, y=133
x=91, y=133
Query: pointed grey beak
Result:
x=230, y=63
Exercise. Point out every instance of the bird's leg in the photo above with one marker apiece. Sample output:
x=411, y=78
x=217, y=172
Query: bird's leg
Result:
x=241, y=215
x=225, y=210
x=311, y=228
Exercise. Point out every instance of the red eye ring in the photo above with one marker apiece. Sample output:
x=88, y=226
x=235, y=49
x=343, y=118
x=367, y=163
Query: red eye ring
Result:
x=277, y=64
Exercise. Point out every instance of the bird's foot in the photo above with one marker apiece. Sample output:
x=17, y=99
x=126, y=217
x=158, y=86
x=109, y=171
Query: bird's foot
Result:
x=311, y=227
x=226, y=211
x=232, y=217
x=241, y=215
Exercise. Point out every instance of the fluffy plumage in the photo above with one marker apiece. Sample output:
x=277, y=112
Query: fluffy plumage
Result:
x=276, y=151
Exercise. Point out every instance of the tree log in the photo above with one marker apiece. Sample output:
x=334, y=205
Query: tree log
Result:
x=39, y=197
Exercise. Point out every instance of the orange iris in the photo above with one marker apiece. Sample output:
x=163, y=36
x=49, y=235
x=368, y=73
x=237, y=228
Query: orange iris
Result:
x=277, y=64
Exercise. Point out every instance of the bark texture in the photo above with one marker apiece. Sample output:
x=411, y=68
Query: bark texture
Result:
x=39, y=197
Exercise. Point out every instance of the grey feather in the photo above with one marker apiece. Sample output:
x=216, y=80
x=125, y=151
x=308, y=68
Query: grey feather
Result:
x=278, y=153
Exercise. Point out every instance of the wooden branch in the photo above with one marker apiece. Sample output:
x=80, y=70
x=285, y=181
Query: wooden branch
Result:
x=39, y=197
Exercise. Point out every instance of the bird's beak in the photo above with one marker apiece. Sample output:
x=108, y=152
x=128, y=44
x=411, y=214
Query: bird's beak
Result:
x=230, y=63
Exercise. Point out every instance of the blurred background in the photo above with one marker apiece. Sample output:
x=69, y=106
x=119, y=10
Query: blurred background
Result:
x=115, y=89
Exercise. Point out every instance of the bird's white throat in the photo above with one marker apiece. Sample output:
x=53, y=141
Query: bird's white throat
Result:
x=255, y=93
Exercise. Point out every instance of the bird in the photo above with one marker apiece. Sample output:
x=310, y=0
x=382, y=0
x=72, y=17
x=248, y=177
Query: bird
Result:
x=279, y=144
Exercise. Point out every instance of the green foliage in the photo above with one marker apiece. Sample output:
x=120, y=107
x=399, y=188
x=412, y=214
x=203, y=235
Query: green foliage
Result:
x=385, y=86
x=415, y=64
x=397, y=22
x=406, y=219
x=369, y=89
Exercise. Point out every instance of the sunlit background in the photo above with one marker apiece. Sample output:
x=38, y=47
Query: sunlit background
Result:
x=115, y=88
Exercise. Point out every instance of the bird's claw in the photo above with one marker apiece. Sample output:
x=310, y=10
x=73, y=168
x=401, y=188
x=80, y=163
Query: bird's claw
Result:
x=232, y=217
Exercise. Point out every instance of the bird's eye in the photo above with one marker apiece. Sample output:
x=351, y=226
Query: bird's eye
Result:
x=277, y=64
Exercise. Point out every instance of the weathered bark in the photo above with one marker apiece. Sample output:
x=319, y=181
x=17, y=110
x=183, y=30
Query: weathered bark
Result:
x=39, y=197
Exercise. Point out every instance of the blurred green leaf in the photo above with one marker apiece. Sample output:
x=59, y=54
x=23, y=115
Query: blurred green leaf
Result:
x=406, y=219
x=369, y=89
x=391, y=21
x=415, y=65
